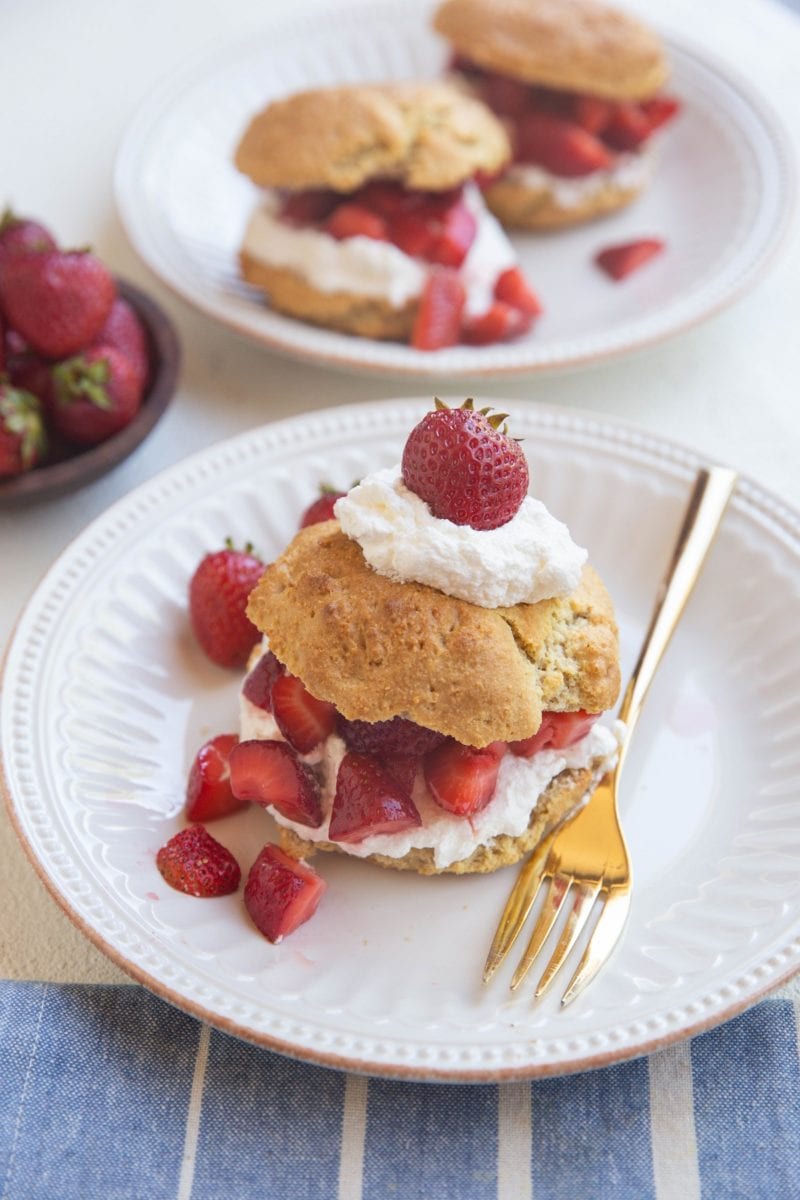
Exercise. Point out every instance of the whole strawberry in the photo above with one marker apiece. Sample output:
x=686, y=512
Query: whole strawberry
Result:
x=321, y=509
x=32, y=374
x=464, y=467
x=95, y=394
x=21, y=235
x=124, y=331
x=22, y=433
x=218, y=595
x=57, y=300
x=196, y=863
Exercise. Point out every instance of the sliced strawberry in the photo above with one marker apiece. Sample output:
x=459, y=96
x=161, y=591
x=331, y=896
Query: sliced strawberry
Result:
x=499, y=323
x=628, y=127
x=196, y=863
x=412, y=235
x=512, y=288
x=309, y=208
x=257, y=687
x=302, y=719
x=403, y=771
x=659, y=110
x=399, y=736
x=557, y=731
x=388, y=199
x=460, y=778
x=354, y=220
x=438, y=321
x=560, y=146
x=456, y=234
x=270, y=773
x=368, y=801
x=621, y=261
x=208, y=791
x=592, y=113
x=281, y=893
x=508, y=97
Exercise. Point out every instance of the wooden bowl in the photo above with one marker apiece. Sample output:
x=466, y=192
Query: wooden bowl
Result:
x=54, y=479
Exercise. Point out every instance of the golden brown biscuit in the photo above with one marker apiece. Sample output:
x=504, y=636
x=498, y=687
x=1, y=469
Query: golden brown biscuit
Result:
x=428, y=136
x=559, y=798
x=378, y=649
x=518, y=205
x=574, y=45
x=364, y=316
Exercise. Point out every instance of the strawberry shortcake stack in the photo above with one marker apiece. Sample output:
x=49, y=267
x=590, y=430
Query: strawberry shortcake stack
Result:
x=578, y=87
x=371, y=220
x=435, y=660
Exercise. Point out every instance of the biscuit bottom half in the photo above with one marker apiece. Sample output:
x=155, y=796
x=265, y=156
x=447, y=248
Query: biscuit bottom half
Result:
x=520, y=206
x=563, y=794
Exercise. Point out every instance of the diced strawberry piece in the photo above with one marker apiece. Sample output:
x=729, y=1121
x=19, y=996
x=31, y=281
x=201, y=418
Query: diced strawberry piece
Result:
x=270, y=773
x=302, y=719
x=456, y=235
x=388, y=199
x=403, y=771
x=383, y=738
x=558, y=730
x=309, y=208
x=438, y=320
x=257, y=687
x=281, y=893
x=508, y=97
x=659, y=110
x=499, y=323
x=512, y=288
x=560, y=146
x=485, y=179
x=208, y=791
x=591, y=112
x=368, y=801
x=460, y=778
x=411, y=234
x=354, y=220
x=196, y=863
x=628, y=127
x=620, y=261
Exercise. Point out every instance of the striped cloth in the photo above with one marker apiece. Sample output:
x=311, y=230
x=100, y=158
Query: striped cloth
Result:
x=109, y=1093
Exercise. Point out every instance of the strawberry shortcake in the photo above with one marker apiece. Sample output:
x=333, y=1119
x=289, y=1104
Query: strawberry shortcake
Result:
x=435, y=660
x=371, y=220
x=578, y=86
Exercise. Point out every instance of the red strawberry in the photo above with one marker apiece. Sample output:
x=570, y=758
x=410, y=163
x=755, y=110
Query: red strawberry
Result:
x=500, y=323
x=462, y=779
x=257, y=687
x=124, y=331
x=208, y=791
x=21, y=235
x=368, y=801
x=32, y=374
x=456, y=233
x=591, y=112
x=218, y=595
x=3, y=346
x=309, y=208
x=464, y=467
x=508, y=97
x=321, y=509
x=411, y=234
x=620, y=261
x=302, y=719
x=270, y=773
x=196, y=863
x=281, y=893
x=22, y=433
x=403, y=771
x=399, y=736
x=388, y=199
x=95, y=394
x=659, y=110
x=628, y=127
x=354, y=220
x=557, y=731
x=438, y=320
x=58, y=300
x=512, y=289
x=563, y=147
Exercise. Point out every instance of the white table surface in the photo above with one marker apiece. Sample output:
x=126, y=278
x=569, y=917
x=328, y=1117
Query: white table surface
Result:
x=73, y=74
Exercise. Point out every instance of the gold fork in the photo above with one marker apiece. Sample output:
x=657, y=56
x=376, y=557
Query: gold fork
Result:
x=586, y=857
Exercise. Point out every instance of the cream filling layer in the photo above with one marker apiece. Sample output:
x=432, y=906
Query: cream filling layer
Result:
x=628, y=171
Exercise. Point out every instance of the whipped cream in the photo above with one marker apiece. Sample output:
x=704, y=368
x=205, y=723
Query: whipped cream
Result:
x=628, y=171
x=530, y=558
x=363, y=266
x=520, y=782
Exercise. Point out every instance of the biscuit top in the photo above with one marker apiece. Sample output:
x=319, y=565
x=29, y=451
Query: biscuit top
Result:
x=378, y=649
x=574, y=45
x=428, y=136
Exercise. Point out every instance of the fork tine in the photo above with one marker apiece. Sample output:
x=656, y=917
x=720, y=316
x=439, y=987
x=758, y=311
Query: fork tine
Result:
x=518, y=905
x=603, y=940
x=584, y=894
x=551, y=907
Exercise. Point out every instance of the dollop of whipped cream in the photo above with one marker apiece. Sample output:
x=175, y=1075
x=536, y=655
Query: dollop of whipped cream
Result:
x=530, y=558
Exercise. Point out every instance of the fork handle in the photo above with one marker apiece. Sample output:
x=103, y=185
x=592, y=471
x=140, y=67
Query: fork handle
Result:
x=712, y=490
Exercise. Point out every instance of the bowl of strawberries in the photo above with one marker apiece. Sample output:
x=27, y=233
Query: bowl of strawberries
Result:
x=88, y=364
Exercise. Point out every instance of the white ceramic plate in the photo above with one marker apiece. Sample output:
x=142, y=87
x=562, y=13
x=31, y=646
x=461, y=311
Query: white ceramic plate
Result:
x=106, y=699
x=721, y=199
